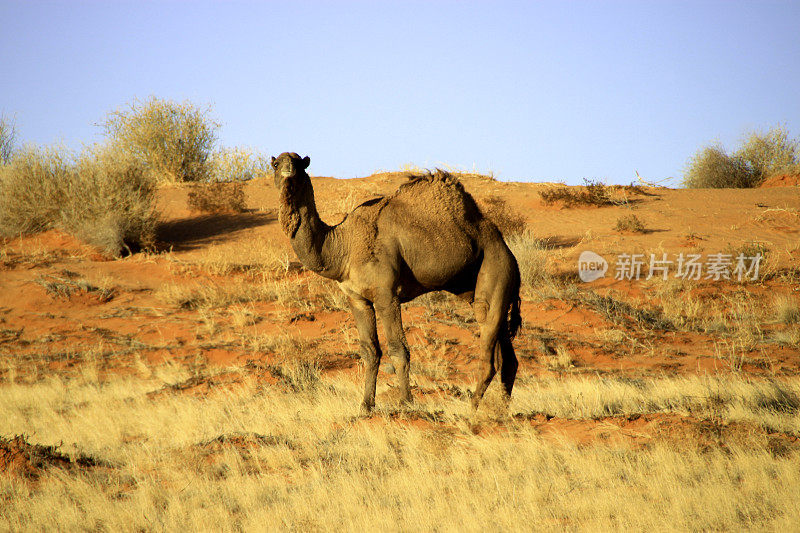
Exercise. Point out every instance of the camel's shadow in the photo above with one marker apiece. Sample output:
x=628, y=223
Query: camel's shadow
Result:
x=197, y=231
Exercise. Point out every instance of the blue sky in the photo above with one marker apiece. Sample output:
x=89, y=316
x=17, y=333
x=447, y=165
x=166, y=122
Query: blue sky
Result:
x=540, y=91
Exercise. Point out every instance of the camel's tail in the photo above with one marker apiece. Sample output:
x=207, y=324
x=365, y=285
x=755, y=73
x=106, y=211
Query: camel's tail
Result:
x=514, y=318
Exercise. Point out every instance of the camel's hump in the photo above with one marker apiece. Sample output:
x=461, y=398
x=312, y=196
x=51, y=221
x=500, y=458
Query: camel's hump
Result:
x=438, y=177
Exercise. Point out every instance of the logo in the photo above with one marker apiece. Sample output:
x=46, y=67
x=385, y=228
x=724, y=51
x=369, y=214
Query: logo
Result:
x=591, y=266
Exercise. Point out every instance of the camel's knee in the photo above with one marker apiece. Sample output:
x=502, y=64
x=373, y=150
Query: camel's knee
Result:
x=370, y=354
x=398, y=349
x=481, y=310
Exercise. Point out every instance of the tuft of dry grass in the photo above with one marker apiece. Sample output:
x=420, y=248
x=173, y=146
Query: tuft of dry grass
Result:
x=593, y=193
x=630, y=223
x=787, y=310
x=531, y=255
x=562, y=360
x=69, y=283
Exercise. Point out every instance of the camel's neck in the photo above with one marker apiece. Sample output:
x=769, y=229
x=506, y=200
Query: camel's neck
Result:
x=316, y=244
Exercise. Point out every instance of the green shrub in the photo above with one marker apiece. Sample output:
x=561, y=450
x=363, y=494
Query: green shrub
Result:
x=762, y=155
x=172, y=142
x=102, y=197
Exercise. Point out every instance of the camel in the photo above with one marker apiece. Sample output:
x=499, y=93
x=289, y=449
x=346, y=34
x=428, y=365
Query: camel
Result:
x=429, y=235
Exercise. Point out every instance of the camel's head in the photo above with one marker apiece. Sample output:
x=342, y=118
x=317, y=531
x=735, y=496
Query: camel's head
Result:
x=289, y=166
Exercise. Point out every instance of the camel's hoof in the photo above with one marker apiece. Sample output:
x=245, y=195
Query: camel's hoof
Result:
x=366, y=409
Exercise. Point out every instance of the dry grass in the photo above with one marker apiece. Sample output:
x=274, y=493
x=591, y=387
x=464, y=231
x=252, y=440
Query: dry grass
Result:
x=209, y=294
x=254, y=257
x=593, y=193
x=531, y=255
x=561, y=360
x=69, y=283
x=293, y=457
x=787, y=310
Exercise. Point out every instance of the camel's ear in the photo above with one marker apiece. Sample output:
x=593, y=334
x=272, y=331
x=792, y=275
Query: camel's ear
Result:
x=306, y=161
x=274, y=163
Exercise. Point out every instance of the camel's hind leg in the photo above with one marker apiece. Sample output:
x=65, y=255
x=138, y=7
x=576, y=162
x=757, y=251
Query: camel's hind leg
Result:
x=488, y=349
x=494, y=292
x=509, y=364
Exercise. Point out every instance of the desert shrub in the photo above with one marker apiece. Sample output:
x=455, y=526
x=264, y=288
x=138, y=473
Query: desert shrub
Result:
x=238, y=164
x=113, y=205
x=770, y=153
x=594, y=193
x=217, y=197
x=8, y=139
x=102, y=197
x=629, y=223
x=762, y=155
x=32, y=188
x=712, y=167
x=508, y=222
x=172, y=142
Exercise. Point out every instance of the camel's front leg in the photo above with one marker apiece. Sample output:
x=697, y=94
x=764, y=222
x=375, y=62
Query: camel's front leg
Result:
x=389, y=312
x=364, y=314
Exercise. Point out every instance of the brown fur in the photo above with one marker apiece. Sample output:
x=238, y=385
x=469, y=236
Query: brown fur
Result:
x=429, y=235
